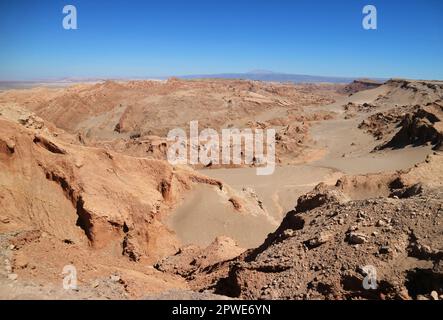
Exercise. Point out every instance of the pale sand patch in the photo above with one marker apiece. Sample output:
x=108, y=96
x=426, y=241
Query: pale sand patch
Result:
x=204, y=215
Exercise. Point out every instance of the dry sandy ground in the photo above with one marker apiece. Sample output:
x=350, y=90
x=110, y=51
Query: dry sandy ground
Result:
x=348, y=150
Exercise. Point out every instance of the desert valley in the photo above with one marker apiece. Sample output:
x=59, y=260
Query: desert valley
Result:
x=85, y=182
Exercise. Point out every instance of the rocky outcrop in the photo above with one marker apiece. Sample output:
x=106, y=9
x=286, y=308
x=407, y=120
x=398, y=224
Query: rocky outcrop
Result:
x=89, y=196
x=341, y=246
x=420, y=127
x=375, y=236
x=360, y=85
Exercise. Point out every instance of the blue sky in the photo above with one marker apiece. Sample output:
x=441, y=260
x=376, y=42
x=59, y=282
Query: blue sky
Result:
x=159, y=38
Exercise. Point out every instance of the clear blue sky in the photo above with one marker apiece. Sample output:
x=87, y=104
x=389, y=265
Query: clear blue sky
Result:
x=158, y=38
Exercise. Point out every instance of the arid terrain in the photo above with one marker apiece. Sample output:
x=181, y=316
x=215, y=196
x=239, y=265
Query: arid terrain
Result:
x=85, y=181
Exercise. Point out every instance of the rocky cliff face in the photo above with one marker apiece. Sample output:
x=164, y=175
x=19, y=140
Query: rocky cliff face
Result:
x=88, y=196
x=66, y=203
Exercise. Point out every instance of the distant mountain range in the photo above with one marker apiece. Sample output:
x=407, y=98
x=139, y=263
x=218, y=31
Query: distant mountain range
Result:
x=259, y=75
x=264, y=75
